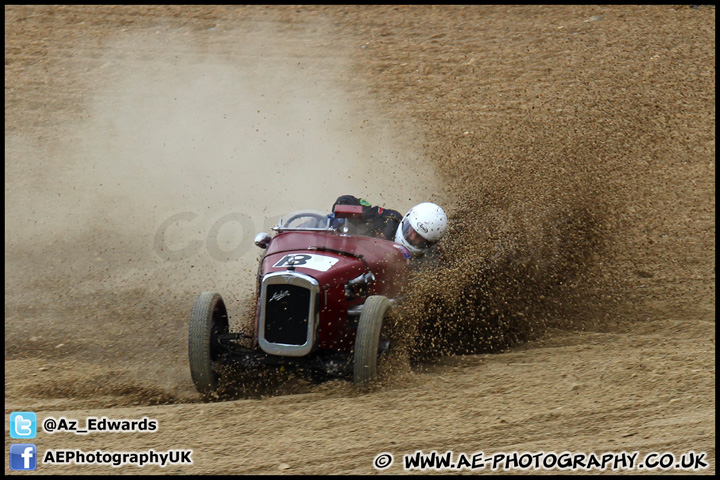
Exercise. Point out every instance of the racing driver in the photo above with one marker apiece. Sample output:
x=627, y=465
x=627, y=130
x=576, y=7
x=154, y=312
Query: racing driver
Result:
x=421, y=227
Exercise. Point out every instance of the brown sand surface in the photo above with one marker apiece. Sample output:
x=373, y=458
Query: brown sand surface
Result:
x=573, y=147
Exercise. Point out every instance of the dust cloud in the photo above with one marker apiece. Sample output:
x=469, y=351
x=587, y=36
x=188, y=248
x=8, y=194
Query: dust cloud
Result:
x=156, y=192
x=526, y=249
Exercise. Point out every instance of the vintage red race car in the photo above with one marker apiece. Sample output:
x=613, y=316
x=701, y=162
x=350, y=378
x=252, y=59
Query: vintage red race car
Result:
x=323, y=299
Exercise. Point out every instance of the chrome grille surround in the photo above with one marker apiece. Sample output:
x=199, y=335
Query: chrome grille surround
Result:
x=294, y=279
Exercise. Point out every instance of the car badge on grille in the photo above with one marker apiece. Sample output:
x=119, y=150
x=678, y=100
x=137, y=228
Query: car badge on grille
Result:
x=279, y=295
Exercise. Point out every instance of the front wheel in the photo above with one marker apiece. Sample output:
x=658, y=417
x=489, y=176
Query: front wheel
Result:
x=371, y=341
x=208, y=320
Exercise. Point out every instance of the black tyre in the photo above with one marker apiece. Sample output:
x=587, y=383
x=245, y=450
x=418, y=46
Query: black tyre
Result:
x=371, y=341
x=207, y=320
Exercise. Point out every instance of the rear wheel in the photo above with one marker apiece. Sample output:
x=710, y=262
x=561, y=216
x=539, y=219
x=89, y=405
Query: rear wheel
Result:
x=208, y=320
x=371, y=340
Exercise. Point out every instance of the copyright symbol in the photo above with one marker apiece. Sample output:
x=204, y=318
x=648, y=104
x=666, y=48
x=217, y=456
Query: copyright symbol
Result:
x=383, y=461
x=49, y=425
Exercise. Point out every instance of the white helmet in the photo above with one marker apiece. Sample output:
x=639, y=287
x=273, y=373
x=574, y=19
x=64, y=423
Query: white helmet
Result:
x=421, y=227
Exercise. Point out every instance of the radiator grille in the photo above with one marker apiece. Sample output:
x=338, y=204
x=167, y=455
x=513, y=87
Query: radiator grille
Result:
x=287, y=312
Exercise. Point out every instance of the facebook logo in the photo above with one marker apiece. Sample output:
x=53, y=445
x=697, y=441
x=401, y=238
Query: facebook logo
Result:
x=23, y=425
x=23, y=456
